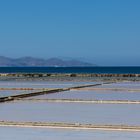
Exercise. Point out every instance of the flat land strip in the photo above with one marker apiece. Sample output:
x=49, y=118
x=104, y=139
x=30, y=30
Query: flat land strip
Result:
x=70, y=126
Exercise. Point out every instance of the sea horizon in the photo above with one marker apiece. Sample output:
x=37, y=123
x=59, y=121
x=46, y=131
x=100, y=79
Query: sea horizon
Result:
x=94, y=69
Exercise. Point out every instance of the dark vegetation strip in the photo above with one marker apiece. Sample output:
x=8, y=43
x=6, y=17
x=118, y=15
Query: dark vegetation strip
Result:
x=13, y=97
x=70, y=125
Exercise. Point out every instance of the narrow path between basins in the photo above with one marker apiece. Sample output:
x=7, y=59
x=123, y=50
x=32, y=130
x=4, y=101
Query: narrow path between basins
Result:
x=21, y=96
x=59, y=125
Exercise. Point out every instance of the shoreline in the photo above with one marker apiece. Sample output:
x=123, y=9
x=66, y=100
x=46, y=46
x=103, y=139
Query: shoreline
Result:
x=69, y=77
x=69, y=74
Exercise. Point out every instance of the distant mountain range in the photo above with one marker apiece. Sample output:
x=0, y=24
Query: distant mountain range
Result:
x=36, y=62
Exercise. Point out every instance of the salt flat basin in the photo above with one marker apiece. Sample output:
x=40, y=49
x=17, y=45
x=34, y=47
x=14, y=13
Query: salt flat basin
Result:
x=92, y=95
x=15, y=133
x=4, y=93
x=41, y=84
x=127, y=85
x=71, y=112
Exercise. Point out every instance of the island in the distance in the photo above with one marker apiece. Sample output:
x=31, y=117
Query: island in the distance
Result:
x=38, y=62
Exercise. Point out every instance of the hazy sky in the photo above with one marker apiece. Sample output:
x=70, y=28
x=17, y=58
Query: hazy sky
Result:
x=106, y=32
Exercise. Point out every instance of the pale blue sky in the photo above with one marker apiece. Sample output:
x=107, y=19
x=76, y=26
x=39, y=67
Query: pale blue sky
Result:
x=106, y=32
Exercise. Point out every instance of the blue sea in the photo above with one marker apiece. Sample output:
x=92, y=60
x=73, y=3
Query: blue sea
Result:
x=106, y=70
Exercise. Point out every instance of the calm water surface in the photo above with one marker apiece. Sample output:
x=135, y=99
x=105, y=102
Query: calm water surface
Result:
x=71, y=112
x=93, y=95
x=62, y=134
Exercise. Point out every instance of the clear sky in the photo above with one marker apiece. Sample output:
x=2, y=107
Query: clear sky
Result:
x=106, y=32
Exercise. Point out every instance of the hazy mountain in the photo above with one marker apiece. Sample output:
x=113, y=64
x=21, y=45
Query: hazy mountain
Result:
x=5, y=61
x=31, y=61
